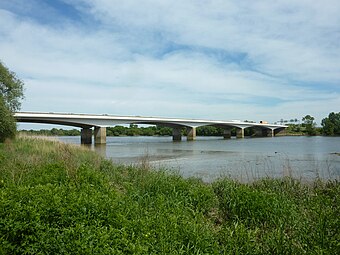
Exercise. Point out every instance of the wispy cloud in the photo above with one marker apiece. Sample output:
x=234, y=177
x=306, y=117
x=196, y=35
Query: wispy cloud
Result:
x=203, y=59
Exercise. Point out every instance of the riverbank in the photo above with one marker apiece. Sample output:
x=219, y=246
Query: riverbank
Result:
x=58, y=198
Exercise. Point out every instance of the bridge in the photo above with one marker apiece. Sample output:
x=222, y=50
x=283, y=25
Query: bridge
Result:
x=100, y=122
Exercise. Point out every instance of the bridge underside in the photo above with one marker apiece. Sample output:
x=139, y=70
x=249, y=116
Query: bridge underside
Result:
x=177, y=130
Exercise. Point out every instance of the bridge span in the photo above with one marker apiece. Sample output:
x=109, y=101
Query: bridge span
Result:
x=99, y=122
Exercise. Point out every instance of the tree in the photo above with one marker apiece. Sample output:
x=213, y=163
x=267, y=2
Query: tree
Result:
x=11, y=88
x=309, y=124
x=7, y=122
x=331, y=124
x=11, y=93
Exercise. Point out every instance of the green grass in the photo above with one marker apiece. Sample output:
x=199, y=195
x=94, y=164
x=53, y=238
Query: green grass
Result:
x=62, y=199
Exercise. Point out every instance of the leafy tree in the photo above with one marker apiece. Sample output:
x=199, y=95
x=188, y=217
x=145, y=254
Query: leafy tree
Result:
x=11, y=88
x=331, y=124
x=309, y=124
x=7, y=122
x=11, y=92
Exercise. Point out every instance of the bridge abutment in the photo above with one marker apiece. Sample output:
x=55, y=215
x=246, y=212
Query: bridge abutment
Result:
x=100, y=135
x=86, y=136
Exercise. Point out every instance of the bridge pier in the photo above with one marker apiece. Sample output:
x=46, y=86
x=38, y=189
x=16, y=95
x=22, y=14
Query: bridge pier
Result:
x=227, y=133
x=177, y=134
x=86, y=136
x=240, y=132
x=191, y=133
x=100, y=135
x=270, y=132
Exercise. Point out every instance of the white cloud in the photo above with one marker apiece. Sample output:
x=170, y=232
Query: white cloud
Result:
x=281, y=59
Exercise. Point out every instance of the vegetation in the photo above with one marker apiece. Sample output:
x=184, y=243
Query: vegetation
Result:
x=134, y=130
x=7, y=122
x=306, y=127
x=11, y=88
x=52, y=132
x=61, y=199
x=309, y=124
x=11, y=92
x=331, y=124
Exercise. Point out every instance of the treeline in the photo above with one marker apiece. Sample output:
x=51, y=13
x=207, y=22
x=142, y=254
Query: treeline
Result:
x=52, y=132
x=134, y=130
x=330, y=126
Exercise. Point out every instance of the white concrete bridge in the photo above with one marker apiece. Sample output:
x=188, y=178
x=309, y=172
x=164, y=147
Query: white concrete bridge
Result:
x=99, y=122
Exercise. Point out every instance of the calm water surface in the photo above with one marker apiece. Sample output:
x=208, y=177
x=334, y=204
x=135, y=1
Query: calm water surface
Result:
x=244, y=159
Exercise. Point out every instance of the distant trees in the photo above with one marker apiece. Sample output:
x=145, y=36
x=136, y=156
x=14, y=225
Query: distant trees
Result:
x=331, y=124
x=309, y=124
x=53, y=132
x=134, y=130
x=209, y=131
x=11, y=93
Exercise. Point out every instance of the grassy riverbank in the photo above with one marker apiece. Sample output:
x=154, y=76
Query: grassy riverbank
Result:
x=62, y=199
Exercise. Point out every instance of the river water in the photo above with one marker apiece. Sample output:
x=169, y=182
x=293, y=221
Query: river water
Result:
x=243, y=159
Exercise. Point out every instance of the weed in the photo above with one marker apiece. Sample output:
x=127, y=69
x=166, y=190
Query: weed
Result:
x=63, y=199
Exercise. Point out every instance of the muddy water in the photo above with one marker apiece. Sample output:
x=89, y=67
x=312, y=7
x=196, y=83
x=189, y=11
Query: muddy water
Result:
x=245, y=159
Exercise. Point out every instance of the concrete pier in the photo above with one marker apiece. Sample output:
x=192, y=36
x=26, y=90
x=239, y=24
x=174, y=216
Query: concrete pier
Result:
x=177, y=134
x=240, y=132
x=227, y=133
x=86, y=136
x=191, y=133
x=100, y=135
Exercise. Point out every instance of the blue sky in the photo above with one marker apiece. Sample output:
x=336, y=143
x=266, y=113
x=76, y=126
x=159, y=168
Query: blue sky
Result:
x=218, y=59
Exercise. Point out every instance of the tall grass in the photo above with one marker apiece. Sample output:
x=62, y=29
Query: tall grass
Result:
x=62, y=199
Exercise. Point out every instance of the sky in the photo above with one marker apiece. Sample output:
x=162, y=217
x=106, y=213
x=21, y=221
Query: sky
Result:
x=218, y=59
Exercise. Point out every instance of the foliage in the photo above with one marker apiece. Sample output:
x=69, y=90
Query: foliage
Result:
x=11, y=92
x=209, y=131
x=309, y=124
x=7, y=122
x=52, y=132
x=331, y=124
x=134, y=130
x=61, y=199
x=294, y=129
x=11, y=88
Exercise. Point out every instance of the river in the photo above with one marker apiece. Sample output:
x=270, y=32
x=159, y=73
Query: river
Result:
x=243, y=159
